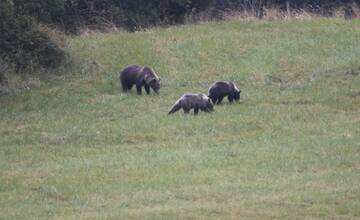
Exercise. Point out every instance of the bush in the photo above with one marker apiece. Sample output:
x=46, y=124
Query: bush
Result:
x=71, y=15
x=23, y=44
x=322, y=7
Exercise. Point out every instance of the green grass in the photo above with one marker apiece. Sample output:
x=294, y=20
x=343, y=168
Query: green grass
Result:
x=77, y=148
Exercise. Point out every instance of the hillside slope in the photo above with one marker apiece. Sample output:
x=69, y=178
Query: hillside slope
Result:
x=77, y=148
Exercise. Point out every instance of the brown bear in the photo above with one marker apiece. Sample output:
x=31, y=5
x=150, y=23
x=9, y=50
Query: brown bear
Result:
x=193, y=101
x=220, y=89
x=139, y=76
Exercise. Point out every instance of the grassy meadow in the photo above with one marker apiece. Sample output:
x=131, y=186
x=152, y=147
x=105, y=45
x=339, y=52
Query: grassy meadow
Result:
x=75, y=147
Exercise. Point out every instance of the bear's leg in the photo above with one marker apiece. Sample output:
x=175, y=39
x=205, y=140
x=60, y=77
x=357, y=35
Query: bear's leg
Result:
x=196, y=111
x=124, y=87
x=139, y=84
x=129, y=87
x=230, y=98
x=138, y=89
x=186, y=110
x=147, y=89
x=220, y=99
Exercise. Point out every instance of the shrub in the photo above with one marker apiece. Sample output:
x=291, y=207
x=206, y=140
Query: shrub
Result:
x=23, y=44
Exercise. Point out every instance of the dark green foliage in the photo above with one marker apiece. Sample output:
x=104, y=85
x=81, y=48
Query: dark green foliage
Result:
x=72, y=15
x=323, y=7
x=133, y=15
x=47, y=11
x=23, y=44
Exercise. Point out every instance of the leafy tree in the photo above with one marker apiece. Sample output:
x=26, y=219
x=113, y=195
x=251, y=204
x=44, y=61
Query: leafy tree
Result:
x=22, y=43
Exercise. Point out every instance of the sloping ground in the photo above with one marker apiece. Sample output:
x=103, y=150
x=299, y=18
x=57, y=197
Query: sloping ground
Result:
x=77, y=148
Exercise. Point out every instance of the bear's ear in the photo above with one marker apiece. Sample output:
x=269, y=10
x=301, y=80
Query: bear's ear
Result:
x=151, y=80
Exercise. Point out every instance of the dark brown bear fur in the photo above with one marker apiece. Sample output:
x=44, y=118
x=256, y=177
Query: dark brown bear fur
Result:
x=193, y=101
x=139, y=76
x=221, y=89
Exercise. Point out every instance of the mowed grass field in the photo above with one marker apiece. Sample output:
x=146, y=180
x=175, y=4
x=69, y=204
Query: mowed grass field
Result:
x=75, y=147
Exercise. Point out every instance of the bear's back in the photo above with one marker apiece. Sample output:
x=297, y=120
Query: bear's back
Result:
x=194, y=99
x=221, y=87
x=130, y=73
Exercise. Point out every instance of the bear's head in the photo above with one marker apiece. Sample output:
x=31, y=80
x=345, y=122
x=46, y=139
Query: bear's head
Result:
x=209, y=105
x=152, y=80
x=237, y=95
x=236, y=92
x=155, y=85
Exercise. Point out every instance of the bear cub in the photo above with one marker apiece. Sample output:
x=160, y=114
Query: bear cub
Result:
x=193, y=101
x=140, y=77
x=221, y=89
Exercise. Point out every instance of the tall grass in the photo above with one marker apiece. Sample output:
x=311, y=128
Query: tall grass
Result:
x=78, y=148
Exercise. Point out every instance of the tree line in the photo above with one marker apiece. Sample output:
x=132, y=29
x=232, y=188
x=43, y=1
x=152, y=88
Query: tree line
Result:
x=24, y=44
x=71, y=15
